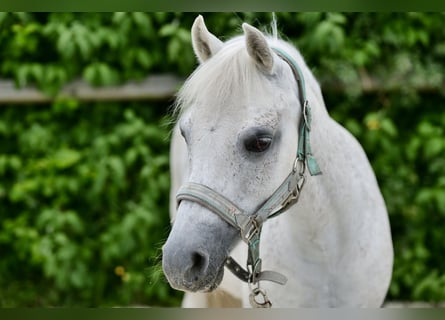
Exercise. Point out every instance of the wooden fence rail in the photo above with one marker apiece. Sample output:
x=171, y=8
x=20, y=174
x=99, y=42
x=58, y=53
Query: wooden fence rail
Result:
x=164, y=87
x=154, y=87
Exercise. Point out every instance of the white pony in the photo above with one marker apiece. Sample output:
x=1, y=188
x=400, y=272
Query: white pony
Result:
x=240, y=120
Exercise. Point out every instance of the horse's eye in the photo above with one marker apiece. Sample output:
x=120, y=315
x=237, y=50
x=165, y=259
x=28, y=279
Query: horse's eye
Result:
x=258, y=143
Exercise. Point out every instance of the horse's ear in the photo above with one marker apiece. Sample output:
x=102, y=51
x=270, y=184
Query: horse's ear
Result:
x=204, y=43
x=258, y=48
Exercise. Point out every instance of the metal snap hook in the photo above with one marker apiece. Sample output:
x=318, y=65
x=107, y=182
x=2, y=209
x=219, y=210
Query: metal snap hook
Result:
x=264, y=302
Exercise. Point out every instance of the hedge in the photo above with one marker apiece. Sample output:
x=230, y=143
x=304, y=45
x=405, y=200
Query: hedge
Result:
x=84, y=186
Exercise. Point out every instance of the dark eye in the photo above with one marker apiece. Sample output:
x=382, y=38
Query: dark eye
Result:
x=258, y=143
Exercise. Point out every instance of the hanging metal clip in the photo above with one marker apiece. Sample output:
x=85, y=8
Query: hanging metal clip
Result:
x=264, y=301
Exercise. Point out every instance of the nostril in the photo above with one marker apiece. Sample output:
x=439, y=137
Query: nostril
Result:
x=199, y=263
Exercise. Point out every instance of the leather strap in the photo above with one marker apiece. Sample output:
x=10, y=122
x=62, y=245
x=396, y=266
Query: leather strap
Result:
x=244, y=275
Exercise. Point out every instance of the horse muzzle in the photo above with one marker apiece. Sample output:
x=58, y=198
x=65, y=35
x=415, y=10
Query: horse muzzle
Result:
x=190, y=270
x=196, y=249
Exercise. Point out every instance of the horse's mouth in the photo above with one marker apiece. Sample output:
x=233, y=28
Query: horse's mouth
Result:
x=217, y=281
x=204, y=285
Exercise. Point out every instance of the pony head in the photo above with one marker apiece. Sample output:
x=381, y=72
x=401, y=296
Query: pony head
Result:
x=238, y=115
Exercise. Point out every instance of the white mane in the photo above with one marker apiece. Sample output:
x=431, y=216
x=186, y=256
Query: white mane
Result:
x=232, y=71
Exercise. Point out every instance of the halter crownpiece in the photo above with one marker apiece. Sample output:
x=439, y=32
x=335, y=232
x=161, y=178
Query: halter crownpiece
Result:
x=284, y=196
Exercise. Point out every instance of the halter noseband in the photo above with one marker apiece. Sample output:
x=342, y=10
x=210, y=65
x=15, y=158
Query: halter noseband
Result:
x=284, y=196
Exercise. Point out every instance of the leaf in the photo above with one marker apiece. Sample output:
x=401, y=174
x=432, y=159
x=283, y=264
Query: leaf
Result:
x=118, y=17
x=173, y=49
x=143, y=58
x=65, y=43
x=142, y=21
x=65, y=158
x=82, y=38
x=37, y=71
x=22, y=75
x=433, y=147
x=107, y=75
x=168, y=30
x=388, y=127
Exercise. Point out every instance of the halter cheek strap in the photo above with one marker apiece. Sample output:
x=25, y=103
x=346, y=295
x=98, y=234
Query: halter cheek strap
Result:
x=287, y=194
x=304, y=151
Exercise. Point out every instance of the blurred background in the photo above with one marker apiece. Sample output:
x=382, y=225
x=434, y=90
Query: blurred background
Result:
x=85, y=124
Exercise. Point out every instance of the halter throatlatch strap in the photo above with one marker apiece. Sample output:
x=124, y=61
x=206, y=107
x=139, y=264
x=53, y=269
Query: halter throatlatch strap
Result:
x=287, y=194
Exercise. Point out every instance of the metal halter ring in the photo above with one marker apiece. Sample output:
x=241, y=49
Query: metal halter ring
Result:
x=299, y=163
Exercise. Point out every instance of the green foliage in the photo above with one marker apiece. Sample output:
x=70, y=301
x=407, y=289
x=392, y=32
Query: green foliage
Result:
x=49, y=49
x=83, y=209
x=84, y=187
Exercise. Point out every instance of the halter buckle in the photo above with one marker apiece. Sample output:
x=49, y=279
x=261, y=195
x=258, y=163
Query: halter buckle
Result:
x=249, y=229
x=295, y=194
x=306, y=114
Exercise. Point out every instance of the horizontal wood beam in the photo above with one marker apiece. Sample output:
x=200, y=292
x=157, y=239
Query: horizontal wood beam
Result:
x=154, y=87
x=163, y=87
x=375, y=87
x=372, y=84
